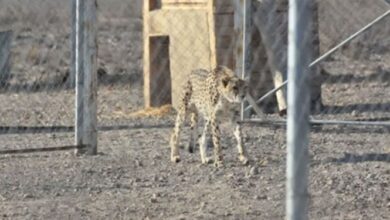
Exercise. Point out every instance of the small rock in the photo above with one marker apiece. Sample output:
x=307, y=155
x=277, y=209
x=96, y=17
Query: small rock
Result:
x=138, y=163
x=227, y=213
x=154, y=198
x=156, y=157
x=202, y=205
x=263, y=197
x=27, y=196
x=253, y=171
x=263, y=163
x=230, y=175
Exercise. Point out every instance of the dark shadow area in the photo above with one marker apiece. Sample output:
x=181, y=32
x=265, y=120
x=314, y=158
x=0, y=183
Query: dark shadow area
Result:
x=365, y=107
x=354, y=158
x=119, y=79
x=64, y=129
x=330, y=129
x=349, y=129
x=61, y=82
x=349, y=78
x=56, y=83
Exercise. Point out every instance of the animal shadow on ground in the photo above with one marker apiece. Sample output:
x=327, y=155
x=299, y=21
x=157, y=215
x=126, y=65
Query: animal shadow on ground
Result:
x=355, y=158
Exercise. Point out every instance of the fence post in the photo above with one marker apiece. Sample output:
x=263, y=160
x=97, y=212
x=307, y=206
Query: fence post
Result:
x=298, y=97
x=86, y=76
x=5, y=51
x=72, y=73
x=243, y=33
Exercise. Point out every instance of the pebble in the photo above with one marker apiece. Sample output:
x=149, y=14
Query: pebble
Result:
x=154, y=198
x=253, y=171
x=257, y=197
x=27, y=196
x=138, y=163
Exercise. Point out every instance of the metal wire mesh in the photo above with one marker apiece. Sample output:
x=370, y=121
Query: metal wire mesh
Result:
x=348, y=165
x=34, y=93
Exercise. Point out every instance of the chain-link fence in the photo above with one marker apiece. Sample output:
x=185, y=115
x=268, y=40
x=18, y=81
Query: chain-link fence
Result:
x=34, y=94
x=145, y=50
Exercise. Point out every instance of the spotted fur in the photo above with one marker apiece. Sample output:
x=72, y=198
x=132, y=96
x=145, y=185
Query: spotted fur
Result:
x=213, y=95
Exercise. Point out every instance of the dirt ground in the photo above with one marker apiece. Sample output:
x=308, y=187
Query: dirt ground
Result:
x=132, y=177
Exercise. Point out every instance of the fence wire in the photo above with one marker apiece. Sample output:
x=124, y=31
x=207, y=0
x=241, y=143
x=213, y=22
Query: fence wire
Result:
x=348, y=173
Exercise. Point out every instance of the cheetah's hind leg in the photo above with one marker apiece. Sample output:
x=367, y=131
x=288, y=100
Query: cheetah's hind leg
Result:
x=175, y=137
x=194, y=131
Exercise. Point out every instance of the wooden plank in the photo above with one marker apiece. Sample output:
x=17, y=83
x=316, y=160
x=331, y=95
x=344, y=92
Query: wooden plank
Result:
x=211, y=25
x=224, y=6
x=146, y=53
x=160, y=73
x=184, y=4
x=224, y=42
x=86, y=76
x=225, y=31
x=184, y=1
x=5, y=56
x=223, y=20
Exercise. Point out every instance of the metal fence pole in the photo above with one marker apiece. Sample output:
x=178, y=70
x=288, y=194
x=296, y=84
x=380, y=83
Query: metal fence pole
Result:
x=86, y=76
x=298, y=97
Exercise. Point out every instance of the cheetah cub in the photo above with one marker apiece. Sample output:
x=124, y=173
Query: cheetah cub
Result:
x=215, y=96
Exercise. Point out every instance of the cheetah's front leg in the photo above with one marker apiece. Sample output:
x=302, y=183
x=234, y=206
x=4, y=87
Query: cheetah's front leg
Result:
x=216, y=134
x=203, y=143
x=175, y=157
x=241, y=151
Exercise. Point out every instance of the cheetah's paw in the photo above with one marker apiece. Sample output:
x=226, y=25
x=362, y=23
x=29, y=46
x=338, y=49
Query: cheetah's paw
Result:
x=175, y=159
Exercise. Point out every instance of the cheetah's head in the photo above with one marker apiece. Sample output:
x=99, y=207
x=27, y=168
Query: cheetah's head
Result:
x=230, y=86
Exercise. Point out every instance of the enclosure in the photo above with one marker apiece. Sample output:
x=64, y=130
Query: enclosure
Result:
x=131, y=176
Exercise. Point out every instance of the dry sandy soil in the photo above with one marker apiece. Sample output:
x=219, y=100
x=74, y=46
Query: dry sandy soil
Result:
x=132, y=178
